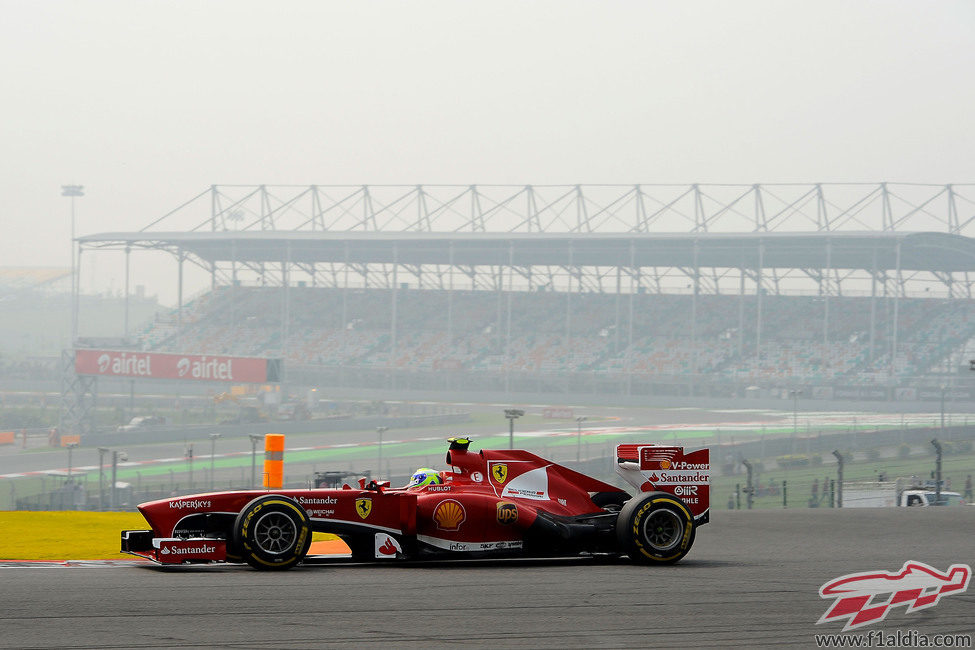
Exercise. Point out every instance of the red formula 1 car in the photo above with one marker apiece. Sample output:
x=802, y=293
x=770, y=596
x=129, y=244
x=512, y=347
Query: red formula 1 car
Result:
x=492, y=503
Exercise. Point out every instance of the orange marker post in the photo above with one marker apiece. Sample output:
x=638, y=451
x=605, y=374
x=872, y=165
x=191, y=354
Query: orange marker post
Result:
x=274, y=460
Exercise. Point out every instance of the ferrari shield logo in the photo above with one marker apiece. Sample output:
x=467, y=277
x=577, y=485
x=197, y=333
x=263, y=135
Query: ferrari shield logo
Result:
x=363, y=507
x=500, y=472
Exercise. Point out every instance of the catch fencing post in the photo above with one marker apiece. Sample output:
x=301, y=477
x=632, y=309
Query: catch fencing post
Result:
x=749, y=490
x=839, y=478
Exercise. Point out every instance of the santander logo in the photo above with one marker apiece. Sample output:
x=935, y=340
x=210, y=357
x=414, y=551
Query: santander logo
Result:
x=387, y=547
x=199, y=549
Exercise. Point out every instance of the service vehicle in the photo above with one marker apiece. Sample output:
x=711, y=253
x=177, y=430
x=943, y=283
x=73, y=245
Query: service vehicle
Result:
x=903, y=492
x=292, y=411
x=491, y=503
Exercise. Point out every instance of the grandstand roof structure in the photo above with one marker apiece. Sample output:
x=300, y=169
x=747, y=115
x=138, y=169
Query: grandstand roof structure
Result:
x=826, y=233
x=907, y=251
x=882, y=240
x=579, y=208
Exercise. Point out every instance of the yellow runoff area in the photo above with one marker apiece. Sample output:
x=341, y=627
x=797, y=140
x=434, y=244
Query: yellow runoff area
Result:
x=79, y=535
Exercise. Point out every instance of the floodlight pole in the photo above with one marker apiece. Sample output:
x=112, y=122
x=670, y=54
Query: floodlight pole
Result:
x=379, y=469
x=944, y=389
x=189, y=460
x=70, y=446
x=937, y=470
x=101, y=477
x=579, y=421
x=795, y=393
x=512, y=415
x=114, y=492
x=73, y=191
x=255, y=438
x=213, y=448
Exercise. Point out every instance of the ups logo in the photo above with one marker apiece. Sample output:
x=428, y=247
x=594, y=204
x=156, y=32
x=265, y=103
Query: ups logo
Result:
x=507, y=513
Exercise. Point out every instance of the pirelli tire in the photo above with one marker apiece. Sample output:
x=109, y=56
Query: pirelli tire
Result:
x=655, y=528
x=272, y=533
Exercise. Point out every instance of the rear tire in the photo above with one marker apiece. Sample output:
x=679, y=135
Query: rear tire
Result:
x=655, y=528
x=272, y=533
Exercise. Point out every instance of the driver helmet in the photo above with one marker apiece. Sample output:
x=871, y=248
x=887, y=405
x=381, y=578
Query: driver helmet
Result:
x=425, y=476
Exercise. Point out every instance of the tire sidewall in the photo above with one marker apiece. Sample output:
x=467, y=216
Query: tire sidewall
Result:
x=244, y=530
x=631, y=527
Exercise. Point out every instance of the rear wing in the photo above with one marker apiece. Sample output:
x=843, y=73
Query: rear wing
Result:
x=669, y=469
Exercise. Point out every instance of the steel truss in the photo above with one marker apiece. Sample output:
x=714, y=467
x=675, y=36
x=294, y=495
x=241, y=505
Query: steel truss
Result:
x=576, y=209
x=817, y=207
x=78, y=397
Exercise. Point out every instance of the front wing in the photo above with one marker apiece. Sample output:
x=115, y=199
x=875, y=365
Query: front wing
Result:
x=173, y=550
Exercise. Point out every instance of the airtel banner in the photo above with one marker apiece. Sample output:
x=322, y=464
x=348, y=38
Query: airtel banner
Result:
x=152, y=365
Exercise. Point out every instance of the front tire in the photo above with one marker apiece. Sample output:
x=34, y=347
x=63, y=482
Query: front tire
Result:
x=655, y=528
x=272, y=533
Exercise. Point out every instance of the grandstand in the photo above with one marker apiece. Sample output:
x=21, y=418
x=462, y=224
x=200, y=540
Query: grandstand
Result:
x=535, y=342
x=578, y=289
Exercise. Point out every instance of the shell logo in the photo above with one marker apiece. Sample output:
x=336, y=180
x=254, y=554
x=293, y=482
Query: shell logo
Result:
x=449, y=515
x=665, y=464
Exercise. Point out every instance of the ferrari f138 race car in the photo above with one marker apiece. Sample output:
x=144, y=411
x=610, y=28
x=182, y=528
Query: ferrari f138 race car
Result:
x=493, y=503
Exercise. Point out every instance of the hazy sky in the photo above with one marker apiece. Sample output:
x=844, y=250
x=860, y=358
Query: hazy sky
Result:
x=148, y=103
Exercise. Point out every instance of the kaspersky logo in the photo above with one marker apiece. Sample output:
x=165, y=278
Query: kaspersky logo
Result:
x=195, y=504
x=866, y=598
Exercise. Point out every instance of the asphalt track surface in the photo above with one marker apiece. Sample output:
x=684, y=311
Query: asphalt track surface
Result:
x=751, y=580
